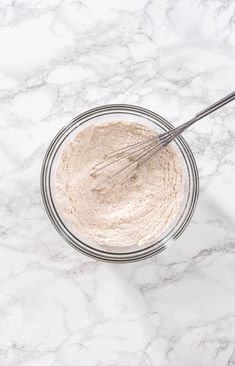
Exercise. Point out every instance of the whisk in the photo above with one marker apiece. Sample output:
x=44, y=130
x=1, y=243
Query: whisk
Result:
x=140, y=152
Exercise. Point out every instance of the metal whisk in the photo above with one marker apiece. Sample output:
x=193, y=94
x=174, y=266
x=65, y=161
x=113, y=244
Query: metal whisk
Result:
x=140, y=152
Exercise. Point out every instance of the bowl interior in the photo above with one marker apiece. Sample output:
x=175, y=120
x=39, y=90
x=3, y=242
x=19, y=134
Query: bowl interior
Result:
x=109, y=114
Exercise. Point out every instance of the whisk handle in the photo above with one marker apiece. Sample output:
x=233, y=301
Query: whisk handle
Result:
x=167, y=137
x=220, y=103
x=206, y=112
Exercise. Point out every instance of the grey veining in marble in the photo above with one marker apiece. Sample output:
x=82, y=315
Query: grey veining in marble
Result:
x=57, y=307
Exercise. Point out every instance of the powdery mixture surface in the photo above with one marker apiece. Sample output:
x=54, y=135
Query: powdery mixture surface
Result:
x=117, y=211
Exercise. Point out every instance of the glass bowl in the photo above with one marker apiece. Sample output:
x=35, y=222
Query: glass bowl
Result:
x=108, y=113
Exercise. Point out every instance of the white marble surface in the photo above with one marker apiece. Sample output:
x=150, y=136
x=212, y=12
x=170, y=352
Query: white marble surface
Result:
x=57, y=307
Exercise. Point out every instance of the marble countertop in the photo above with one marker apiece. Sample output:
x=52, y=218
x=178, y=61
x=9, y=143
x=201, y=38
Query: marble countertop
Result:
x=58, y=307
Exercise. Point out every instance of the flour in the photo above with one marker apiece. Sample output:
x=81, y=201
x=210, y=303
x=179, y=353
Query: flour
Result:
x=115, y=210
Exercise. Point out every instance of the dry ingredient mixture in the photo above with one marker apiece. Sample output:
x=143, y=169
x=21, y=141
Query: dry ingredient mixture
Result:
x=117, y=211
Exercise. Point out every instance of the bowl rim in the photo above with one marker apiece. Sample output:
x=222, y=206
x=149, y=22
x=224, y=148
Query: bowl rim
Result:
x=56, y=219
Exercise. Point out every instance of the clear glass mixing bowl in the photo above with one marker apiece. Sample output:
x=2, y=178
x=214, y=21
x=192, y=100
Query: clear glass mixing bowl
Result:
x=108, y=113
